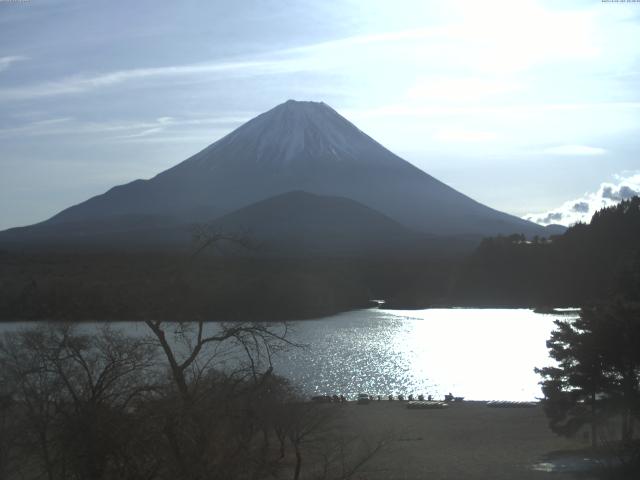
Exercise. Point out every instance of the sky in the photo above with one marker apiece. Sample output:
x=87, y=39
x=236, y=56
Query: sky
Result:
x=530, y=106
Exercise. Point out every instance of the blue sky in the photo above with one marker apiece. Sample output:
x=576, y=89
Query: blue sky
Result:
x=527, y=106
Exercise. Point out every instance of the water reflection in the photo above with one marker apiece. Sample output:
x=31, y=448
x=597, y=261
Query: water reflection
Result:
x=480, y=354
x=475, y=353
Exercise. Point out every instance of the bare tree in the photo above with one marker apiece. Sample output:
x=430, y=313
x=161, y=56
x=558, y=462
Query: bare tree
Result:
x=73, y=393
x=8, y=432
x=322, y=438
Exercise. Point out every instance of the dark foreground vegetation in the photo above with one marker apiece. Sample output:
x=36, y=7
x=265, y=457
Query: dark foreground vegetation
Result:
x=111, y=406
x=594, y=389
x=172, y=402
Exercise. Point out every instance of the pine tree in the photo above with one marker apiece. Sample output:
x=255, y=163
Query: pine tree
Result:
x=598, y=370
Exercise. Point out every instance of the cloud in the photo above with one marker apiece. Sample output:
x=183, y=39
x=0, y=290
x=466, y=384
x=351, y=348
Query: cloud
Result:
x=516, y=109
x=574, y=150
x=623, y=193
x=121, y=130
x=83, y=83
x=39, y=127
x=144, y=133
x=6, y=62
x=553, y=217
x=460, y=90
x=582, y=209
x=472, y=37
x=525, y=33
x=463, y=135
x=161, y=124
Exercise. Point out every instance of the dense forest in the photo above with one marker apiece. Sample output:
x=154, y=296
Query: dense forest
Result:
x=141, y=286
x=588, y=263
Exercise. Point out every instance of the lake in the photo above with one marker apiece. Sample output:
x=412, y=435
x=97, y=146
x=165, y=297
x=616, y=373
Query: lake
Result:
x=481, y=354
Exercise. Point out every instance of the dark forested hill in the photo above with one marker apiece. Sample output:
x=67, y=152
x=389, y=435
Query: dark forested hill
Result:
x=588, y=263
x=303, y=224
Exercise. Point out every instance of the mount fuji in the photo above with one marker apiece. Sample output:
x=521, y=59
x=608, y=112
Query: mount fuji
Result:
x=295, y=147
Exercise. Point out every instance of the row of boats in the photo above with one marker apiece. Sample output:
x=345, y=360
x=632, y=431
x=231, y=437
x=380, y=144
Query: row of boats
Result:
x=419, y=402
x=364, y=398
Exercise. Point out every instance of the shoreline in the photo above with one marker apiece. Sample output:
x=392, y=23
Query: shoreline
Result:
x=562, y=311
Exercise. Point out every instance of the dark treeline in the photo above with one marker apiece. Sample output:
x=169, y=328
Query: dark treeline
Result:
x=174, y=286
x=105, y=406
x=588, y=263
x=141, y=286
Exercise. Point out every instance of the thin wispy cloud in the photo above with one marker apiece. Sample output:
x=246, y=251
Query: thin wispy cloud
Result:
x=464, y=135
x=479, y=38
x=160, y=126
x=574, y=150
x=288, y=60
x=83, y=83
x=403, y=109
x=452, y=39
x=368, y=39
x=581, y=209
x=117, y=130
x=6, y=62
x=145, y=133
x=460, y=90
x=202, y=139
x=38, y=127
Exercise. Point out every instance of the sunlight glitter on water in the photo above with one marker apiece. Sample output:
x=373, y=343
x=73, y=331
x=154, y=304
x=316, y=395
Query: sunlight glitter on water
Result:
x=476, y=353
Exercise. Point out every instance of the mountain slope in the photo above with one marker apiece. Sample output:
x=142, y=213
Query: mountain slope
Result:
x=291, y=224
x=295, y=146
x=297, y=223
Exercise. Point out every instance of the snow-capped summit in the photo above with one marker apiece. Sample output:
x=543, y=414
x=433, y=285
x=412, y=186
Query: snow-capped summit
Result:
x=296, y=131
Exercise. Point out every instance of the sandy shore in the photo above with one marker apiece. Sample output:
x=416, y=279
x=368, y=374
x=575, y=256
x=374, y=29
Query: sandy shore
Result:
x=467, y=440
